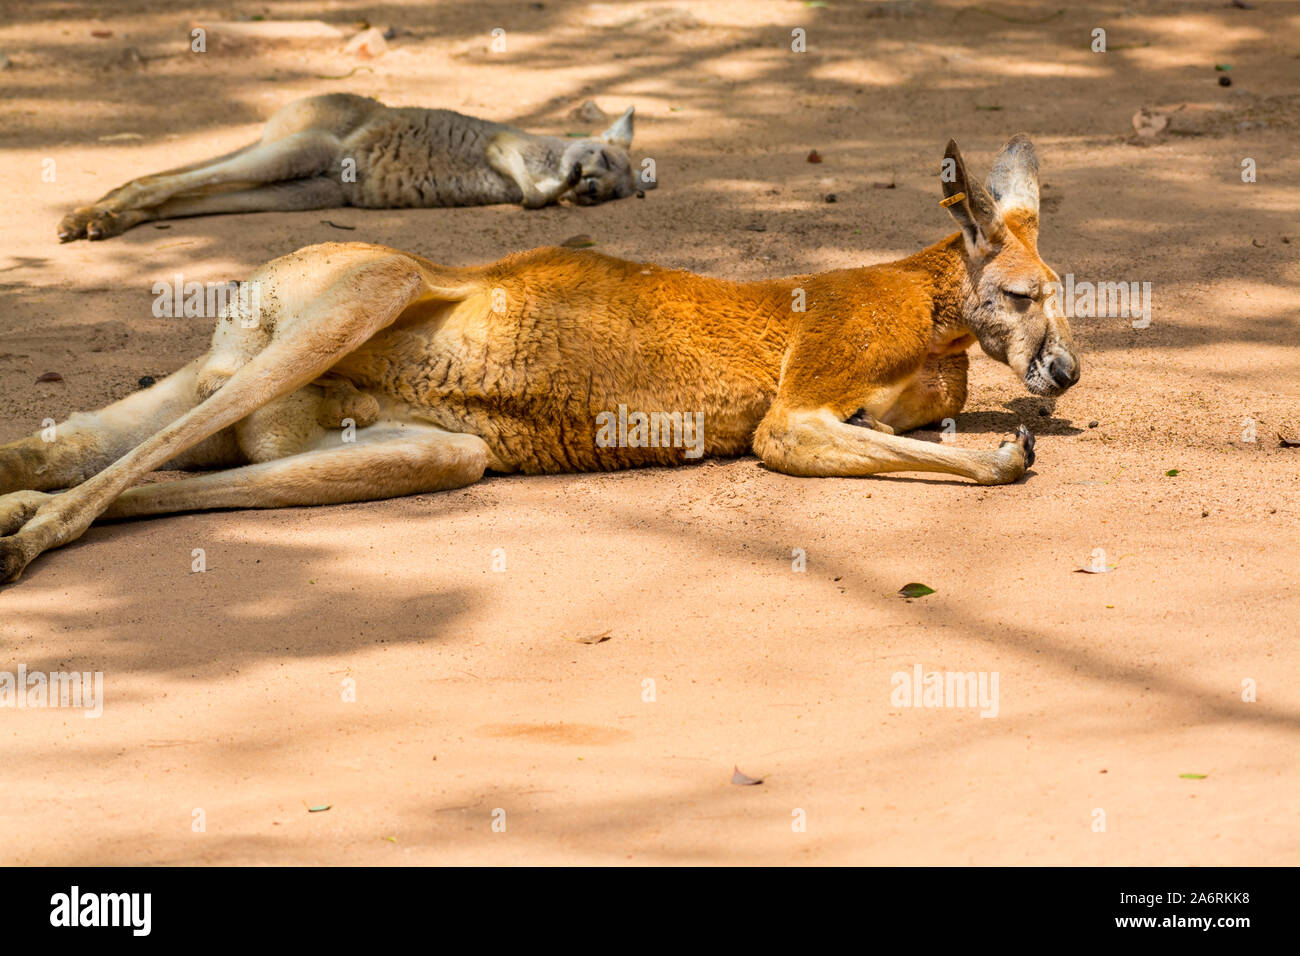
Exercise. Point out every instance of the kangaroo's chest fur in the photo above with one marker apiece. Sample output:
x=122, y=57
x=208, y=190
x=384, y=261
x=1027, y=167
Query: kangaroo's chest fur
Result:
x=425, y=158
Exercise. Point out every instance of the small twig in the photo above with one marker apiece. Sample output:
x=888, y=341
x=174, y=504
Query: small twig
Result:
x=337, y=226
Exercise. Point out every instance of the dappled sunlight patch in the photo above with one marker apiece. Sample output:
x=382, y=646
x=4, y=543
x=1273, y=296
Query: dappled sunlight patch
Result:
x=1197, y=27
x=874, y=72
x=963, y=60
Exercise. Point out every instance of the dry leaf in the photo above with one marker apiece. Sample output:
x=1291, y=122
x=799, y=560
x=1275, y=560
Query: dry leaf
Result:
x=592, y=639
x=580, y=241
x=1149, y=123
x=744, y=780
x=50, y=377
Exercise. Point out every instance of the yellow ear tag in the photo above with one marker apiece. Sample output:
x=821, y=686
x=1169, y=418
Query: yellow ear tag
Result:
x=952, y=199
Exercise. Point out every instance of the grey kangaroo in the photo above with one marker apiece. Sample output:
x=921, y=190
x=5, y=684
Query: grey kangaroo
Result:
x=347, y=150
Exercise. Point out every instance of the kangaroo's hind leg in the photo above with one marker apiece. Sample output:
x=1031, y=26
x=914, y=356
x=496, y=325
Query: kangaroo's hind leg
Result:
x=299, y=156
x=318, y=192
x=73, y=225
x=66, y=454
x=342, y=304
x=387, y=460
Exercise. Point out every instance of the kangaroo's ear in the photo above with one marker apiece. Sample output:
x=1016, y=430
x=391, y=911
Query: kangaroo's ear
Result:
x=1014, y=178
x=969, y=203
x=620, y=134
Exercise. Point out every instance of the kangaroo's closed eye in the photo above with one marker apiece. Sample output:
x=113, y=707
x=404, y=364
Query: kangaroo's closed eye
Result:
x=1020, y=301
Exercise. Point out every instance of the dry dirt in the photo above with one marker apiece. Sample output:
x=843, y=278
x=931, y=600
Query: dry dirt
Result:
x=224, y=690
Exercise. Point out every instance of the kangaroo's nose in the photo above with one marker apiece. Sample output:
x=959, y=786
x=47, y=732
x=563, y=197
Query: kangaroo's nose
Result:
x=1064, y=370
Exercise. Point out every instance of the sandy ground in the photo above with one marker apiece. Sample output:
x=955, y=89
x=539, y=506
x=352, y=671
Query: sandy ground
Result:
x=224, y=691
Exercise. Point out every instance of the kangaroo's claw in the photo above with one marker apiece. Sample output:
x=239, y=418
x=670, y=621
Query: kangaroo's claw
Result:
x=1025, y=439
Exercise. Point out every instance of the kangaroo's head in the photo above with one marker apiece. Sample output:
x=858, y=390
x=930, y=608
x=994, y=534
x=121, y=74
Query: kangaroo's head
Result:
x=1008, y=302
x=600, y=169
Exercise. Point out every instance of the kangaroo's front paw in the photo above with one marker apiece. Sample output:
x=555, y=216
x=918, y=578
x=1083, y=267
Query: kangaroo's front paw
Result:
x=863, y=419
x=1025, y=439
x=537, y=200
x=16, y=508
x=1014, y=457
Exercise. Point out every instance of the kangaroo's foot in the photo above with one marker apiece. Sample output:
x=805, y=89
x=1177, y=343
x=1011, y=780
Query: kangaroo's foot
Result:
x=17, y=507
x=99, y=222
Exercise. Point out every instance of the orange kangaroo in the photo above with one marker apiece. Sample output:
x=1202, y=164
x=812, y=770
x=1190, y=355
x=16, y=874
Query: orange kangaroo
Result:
x=350, y=372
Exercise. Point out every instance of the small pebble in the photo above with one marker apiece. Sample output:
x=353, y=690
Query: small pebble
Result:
x=640, y=194
x=1043, y=412
x=1093, y=424
x=830, y=197
x=1225, y=81
x=145, y=381
x=1205, y=514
